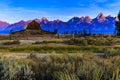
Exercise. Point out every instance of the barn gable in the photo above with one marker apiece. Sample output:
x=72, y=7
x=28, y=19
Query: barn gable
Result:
x=33, y=29
x=33, y=26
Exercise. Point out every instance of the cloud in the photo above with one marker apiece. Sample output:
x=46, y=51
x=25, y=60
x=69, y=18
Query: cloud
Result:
x=91, y=8
x=116, y=4
x=16, y=14
x=13, y=15
x=100, y=1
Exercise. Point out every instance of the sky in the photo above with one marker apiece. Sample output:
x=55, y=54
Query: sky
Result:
x=15, y=10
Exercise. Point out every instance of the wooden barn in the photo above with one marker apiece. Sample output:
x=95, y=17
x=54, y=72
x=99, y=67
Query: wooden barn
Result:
x=33, y=29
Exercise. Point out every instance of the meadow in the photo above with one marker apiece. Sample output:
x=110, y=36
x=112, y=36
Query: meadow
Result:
x=70, y=59
x=60, y=67
x=74, y=45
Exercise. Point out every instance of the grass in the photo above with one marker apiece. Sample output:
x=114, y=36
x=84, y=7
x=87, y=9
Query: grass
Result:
x=77, y=45
x=79, y=66
x=85, y=41
x=112, y=52
x=60, y=67
x=15, y=42
x=46, y=42
x=98, y=41
x=61, y=49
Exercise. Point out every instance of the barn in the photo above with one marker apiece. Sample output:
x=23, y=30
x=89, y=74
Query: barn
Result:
x=33, y=29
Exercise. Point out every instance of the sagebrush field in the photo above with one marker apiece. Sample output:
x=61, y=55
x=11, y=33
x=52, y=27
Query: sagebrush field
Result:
x=85, y=58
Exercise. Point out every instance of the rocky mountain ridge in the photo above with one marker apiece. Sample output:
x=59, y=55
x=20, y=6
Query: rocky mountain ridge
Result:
x=100, y=24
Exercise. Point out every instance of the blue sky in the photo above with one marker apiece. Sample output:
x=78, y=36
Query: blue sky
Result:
x=16, y=10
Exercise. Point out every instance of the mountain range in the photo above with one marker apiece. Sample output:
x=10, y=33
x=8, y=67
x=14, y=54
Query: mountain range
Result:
x=101, y=24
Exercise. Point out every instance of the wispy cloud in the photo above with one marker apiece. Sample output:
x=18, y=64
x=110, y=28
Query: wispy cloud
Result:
x=115, y=4
x=16, y=14
x=61, y=9
x=100, y=1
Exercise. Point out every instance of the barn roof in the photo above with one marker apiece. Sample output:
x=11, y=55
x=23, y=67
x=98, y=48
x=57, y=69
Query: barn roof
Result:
x=33, y=25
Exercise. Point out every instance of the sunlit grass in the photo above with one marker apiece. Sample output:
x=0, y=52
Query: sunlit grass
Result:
x=61, y=67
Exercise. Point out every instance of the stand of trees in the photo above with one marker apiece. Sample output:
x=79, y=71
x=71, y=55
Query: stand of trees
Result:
x=118, y=25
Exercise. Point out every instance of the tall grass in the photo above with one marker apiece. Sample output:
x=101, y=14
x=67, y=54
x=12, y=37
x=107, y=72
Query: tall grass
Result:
x=112, y=52
x=60, y=67
x=62, y=49
x=98, y=41
x=15, y=42
x=64, y=75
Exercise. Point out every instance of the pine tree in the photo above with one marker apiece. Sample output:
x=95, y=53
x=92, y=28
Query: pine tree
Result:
x=55, y=31
x=118, y=25
x=84, y=32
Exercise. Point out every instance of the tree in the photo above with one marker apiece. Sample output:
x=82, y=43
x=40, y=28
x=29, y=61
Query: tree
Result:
x=117, y=23
x=89, y=31
x=11, y=31
x=55, y=31
x=66, y=32
x=84, y=32
x=11, y=34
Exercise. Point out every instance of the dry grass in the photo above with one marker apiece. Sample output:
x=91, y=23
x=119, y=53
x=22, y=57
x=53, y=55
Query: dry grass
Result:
x=61, y=67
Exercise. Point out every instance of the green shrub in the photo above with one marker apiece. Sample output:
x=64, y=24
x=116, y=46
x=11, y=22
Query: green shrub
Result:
x=112, y=52
x=11, y=42
x=60, y=67
x=37, y=42
x=85, y=43
x=65, y=75
x=98, y=41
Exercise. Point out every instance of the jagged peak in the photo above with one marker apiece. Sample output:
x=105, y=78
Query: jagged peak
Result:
x=101, y=15
x=44, y=19
x=87, y=19
x=57, y=20
x=22, y=21
x=110, y=15
x=116, y=19
x=28, y=21
x=74, y=19
x=3, y=22
x=82, y=19
x=38, y=20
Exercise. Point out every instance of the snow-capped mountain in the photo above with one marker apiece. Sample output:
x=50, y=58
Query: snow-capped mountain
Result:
x=100, y=24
